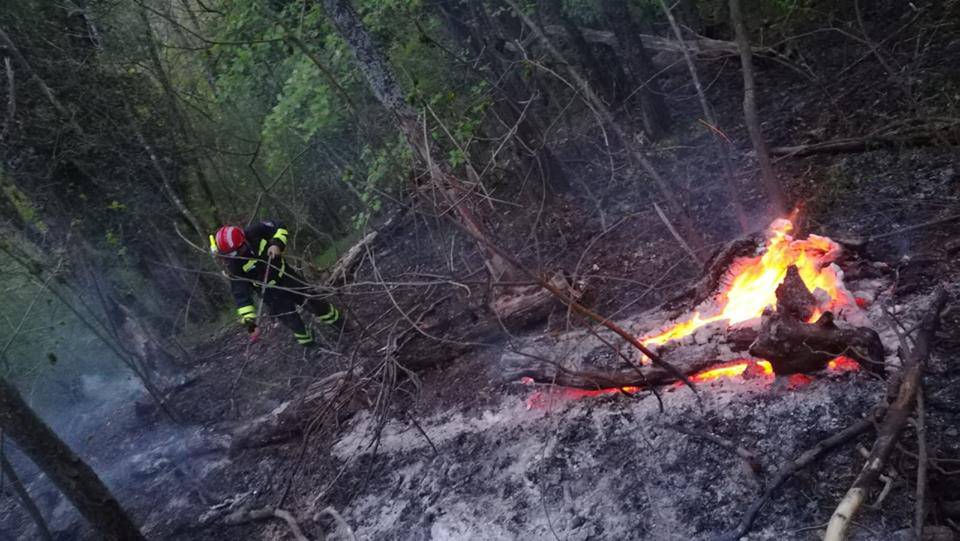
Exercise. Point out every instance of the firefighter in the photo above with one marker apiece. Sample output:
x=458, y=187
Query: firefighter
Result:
x=247, y=253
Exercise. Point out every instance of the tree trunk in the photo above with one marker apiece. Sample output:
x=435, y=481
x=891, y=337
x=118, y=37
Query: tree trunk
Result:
x=611, y=80
x=690, y=15
x=690, y=233
x=78, y=482
x=656, y=115
x=177, y=119
x=730, y=182
x=474, y=30
x=380, y=77
x=26, y=501
x=770, y=183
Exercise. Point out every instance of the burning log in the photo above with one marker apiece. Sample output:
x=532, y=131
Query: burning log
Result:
x=716, y=268
x=796, y=277
x=794, y=347
x=519, y=365
x=793, y=298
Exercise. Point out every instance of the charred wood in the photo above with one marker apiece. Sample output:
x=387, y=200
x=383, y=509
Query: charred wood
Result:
x=541, y=370
x=717, y=267
x=794, y=347
x=334, y=397
x=948, y=135
x=519, y=307
x=793, y=298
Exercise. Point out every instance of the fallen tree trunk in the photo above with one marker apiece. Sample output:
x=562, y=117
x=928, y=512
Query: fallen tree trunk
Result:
x=700, y=46
x=894, y=422
x=925, y=137
x=540, y=370
x=333, y=398
x=74, y=477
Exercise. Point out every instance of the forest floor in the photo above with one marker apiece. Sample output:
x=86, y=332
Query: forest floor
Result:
x=464, y=454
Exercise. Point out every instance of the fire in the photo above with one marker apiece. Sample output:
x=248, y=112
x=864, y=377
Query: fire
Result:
x=843, y=364
x=542, y=399
x=751, y=288
x=753, y=281
x=730, y=370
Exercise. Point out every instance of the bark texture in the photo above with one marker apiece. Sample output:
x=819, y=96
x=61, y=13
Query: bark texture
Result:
x=78, y=482
x=633, y=55
x=379, y=75
x=794, y=347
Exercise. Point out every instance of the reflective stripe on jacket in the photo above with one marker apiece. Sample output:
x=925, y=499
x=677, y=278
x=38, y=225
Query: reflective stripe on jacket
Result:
x=249, y=266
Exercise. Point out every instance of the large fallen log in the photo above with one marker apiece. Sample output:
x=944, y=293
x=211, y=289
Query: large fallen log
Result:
x=327, y=400
x=947, y=134
x=906, y=384
x=519, y=365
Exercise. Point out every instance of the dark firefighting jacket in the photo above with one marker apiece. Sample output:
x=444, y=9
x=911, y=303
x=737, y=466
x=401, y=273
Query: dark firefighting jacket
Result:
x=249, y=267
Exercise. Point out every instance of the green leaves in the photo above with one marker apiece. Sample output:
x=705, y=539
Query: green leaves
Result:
x=303, y=108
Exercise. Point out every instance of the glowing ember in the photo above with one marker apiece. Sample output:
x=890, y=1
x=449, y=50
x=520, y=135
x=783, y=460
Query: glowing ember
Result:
x=753, y=282
x=731, y=369
x=542, y=399
x=843, y=364
x=795, y=381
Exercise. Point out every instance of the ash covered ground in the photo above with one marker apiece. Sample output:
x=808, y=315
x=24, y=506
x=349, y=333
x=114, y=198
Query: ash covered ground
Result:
x=461, y=456
x=610, y=467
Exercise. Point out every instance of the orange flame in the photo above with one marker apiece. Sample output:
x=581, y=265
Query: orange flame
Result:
x=731, y=369
x=753, y=281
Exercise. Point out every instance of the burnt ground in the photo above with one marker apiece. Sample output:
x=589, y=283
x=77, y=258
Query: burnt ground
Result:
x=461, y=456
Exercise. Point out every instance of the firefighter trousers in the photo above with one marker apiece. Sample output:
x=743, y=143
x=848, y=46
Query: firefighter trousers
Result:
x=289, y=293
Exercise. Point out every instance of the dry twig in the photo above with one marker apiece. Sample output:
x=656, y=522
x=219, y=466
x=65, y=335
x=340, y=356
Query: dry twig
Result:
x=908, y=381
x=787, y=470
x=242, y=516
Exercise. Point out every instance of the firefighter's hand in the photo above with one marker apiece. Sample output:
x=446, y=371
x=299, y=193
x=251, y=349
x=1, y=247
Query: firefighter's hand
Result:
x=254, y=331
x=273, y=251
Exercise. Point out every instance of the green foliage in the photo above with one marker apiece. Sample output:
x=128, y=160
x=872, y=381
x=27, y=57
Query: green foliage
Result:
x=329, y=257
x=302, y=109
x=387, y=168
x=21, y=204
x=585, y=12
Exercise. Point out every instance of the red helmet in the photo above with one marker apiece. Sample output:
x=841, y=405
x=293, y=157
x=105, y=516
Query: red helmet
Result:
x=229, y=239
